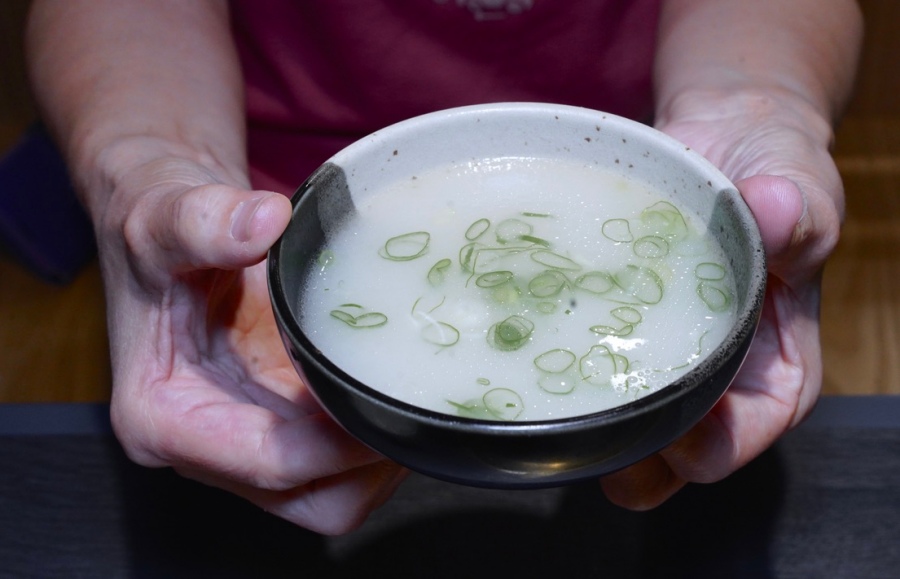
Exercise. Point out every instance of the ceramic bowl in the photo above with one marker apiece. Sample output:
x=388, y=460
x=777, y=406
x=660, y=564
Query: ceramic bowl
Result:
x=516, y=454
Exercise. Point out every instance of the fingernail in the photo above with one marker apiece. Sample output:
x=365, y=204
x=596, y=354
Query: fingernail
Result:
x=242, y=218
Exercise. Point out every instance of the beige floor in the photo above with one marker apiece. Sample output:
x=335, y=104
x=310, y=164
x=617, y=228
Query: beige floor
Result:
x=53, y=344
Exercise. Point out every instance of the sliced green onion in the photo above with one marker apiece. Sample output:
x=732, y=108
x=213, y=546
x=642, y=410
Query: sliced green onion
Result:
x=617, y=230
x=554, y=260
x=348, y=319
x=627, y=314
x=483, y=381
x=438, y=272
x=611, y=331
x=440, y=334
x=596, y=282
x=370, y=320
x=715, y=298
x=406, y=247
x=510, y=230
x=557, y=383
x=503, y=403
x=641, y=283
x=477, y=229
x=665, y=220
x=493, y=279
x=366, y=320
x=472, y=409
x=419, y=299
x=709, y=271
x=510, y=334
x=651, y=247
x=621, y=362
x=467, y=254
x=545, y=307
x=555, y=361
x=597, y=366
x=532, y=214
x=486, y=257
x=547, y=284
x=534, y=240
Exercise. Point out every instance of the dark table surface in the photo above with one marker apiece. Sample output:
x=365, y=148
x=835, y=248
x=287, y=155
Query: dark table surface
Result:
x=824, y=502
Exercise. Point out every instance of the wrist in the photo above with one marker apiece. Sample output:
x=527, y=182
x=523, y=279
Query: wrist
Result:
x=753, y=106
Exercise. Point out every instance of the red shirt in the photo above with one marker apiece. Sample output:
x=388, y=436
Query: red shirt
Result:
x=323, y=73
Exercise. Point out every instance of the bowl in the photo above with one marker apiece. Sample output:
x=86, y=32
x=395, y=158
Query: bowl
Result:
x=533, y=453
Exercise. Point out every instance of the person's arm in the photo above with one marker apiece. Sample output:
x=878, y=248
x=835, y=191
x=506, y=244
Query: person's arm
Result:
x=108, y=71
x=145, y=100
x=756, y=86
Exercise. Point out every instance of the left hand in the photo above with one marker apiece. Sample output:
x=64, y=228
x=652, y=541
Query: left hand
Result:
x=776, y=152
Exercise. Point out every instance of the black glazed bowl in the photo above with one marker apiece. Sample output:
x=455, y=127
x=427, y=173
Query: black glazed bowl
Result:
x=514, y=454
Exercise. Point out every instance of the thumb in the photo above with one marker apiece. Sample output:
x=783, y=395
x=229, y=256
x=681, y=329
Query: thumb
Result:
x=778, y=205
x=211, y=226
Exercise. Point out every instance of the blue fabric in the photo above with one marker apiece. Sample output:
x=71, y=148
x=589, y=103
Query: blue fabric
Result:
x=42, y=224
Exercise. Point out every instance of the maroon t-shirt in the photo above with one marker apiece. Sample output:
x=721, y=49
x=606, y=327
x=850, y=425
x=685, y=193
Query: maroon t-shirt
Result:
x=323, y=73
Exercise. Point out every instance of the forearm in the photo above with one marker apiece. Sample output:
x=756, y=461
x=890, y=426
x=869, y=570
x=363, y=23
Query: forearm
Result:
x=803, y=51
x=111, y=74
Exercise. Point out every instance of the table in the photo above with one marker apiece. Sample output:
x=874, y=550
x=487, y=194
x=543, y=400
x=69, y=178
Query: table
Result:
x=824, y=502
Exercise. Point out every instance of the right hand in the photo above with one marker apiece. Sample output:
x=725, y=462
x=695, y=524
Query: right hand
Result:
x=202, y=382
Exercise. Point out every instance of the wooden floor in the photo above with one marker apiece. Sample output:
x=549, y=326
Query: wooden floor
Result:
x=53, y=344
x=861, y=304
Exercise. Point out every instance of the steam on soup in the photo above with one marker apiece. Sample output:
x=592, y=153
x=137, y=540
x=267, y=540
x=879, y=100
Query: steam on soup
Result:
x=518, y=289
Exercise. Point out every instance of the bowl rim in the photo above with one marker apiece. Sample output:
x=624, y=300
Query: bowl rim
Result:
x=742, y=330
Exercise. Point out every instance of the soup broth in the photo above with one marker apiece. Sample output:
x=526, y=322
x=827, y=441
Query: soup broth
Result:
x=518, y=289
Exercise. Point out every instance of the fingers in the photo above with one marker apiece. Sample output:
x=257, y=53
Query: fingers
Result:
x=307, y=471
x=741, y=427
x=210, y=226
x=332, y=506
x=777, y=385
x=642, y=486
x=244, y=442
x=775, y=389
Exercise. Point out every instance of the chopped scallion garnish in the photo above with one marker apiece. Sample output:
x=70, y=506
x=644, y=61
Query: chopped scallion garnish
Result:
x=364, y=320
x=717, y=299
x=510, y=334
x=493, y=279
x=554, y=260
x=547, y=283
x=503, y=403
x=440, y=334
x=511, y=230
x=651, y=247
x=438, y=272
x=617, y=230
x=477, y=229
x=406, y=247
x=709, y=271
x=555, y=361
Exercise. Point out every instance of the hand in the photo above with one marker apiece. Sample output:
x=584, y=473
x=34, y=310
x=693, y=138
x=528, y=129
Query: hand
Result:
x=776, y=152
x=202, y=382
